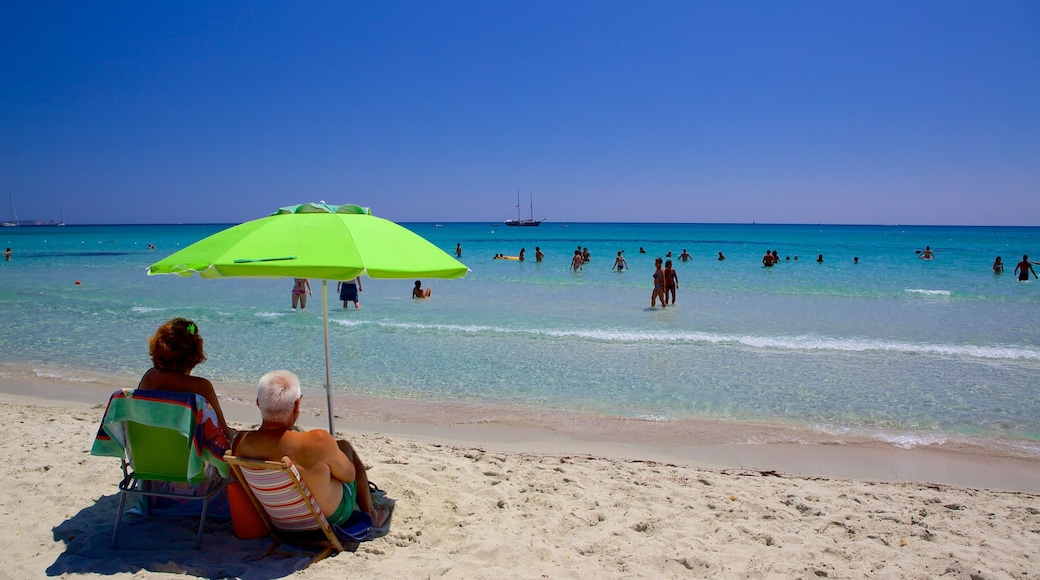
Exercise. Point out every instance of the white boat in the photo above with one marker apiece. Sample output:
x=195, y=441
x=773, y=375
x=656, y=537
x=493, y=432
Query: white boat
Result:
x=14, y=216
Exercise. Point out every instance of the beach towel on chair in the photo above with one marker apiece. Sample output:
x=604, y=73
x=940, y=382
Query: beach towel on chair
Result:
x=207, y=438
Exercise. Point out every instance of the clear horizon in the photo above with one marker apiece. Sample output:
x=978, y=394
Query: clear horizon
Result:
x=886, y=113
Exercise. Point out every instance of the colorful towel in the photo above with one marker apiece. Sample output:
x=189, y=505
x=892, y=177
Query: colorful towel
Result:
x=188, y=413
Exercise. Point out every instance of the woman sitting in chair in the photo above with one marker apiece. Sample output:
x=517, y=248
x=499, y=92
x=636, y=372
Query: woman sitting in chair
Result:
x=176, y=349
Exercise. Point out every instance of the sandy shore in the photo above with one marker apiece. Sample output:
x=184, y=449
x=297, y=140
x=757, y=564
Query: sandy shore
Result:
x=497, y=500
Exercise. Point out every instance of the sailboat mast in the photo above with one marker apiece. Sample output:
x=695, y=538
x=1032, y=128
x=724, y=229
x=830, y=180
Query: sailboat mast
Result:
x=518, y=205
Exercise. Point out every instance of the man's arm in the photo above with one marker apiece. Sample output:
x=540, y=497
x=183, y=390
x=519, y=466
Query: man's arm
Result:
x=320, y=446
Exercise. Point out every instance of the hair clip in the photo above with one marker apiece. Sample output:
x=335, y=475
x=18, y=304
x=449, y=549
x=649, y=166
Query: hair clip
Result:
x=191, y=328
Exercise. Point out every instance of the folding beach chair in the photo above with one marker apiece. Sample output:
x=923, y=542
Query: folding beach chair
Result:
x=288, y=509
x=160, y=438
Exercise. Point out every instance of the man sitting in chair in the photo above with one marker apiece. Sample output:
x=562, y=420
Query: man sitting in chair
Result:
x=331, y=469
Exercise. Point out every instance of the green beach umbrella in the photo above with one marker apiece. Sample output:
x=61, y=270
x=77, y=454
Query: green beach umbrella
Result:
x=314, y=240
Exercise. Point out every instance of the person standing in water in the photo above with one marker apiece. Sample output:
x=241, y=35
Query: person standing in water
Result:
x=300, y=290
x=522, y=251
x=538, y=255
x=658, y=285
x=998, y=266
x=1024, y=268
x=619, y=262
x=576, y=261
x=684, y=256
x=671, y=280
x=348, y=292
x=458, y=250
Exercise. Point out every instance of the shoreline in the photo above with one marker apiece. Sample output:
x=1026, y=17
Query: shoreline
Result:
x=711, y=444
x=492, y=500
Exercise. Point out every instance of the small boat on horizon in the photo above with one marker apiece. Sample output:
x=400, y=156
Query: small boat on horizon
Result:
x=524, y=222
x=14, y=216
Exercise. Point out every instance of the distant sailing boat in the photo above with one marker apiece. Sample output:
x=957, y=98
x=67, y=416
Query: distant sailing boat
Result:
x=14, y=216
x=524, y=222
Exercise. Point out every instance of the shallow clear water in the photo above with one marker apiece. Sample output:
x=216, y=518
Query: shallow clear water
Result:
x=893, y=343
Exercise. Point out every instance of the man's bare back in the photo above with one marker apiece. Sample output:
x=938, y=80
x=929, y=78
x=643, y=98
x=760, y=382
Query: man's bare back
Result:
x=322, y=465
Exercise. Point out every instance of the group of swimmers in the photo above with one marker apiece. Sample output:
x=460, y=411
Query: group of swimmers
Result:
x=771, y=258
x=348, y=292
x=1023, y=269
x=522, y=256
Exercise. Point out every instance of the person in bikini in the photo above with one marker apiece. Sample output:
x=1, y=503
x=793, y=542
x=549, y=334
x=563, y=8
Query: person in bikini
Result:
x=576, y=261
x=300, y=290
x=658, y=285
x=332, y=469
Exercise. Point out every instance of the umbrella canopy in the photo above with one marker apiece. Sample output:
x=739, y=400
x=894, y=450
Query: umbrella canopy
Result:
x=314, y=240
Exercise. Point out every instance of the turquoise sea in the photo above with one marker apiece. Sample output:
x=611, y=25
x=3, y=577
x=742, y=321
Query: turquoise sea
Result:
x=905, y=350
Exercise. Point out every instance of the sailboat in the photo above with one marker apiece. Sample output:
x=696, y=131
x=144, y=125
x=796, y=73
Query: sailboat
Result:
x=14, y=216
x=524, y=222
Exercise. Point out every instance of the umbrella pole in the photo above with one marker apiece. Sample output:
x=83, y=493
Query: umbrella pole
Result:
x=328, y=372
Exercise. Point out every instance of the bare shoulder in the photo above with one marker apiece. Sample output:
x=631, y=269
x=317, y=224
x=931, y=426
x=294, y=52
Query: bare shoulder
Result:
x=316, y=443
x=313, y=446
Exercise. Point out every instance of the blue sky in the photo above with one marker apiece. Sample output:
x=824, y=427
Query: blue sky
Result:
x=782, y=112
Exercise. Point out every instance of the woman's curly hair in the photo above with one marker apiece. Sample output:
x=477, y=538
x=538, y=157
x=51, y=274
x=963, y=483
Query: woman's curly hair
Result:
x=176, y=346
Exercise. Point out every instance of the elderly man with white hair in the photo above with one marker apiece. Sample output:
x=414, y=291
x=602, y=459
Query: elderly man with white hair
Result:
x=330, y=468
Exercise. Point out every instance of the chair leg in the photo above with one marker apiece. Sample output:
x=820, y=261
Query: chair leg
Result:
x=324, y=554
x=202, y=523
x=119, y=518
x=270, y=550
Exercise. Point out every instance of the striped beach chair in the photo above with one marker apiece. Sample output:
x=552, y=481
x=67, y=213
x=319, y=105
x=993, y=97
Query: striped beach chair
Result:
x=288, y=509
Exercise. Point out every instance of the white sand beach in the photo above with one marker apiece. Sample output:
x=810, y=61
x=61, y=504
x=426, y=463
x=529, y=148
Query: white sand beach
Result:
x=493, y=501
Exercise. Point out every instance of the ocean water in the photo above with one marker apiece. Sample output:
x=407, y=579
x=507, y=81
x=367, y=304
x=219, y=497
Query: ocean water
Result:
x=909, y=350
